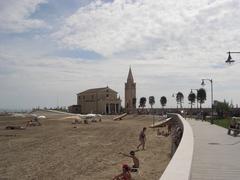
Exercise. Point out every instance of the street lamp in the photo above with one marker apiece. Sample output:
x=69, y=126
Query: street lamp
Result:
x=229, y=59
x=203, y=84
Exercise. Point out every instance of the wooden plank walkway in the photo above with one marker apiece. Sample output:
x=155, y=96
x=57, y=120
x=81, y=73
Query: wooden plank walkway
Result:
x=216, y=155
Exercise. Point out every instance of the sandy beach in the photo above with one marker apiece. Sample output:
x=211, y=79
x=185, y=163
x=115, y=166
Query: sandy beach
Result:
x=57, y=150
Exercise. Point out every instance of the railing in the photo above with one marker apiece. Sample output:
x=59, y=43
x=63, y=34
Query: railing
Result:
x=180, y=165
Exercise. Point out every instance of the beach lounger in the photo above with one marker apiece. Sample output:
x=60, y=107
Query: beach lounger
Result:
x=161, y=123
x=120, y=117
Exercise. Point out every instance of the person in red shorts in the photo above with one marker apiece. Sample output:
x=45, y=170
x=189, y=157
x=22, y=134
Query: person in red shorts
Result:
x=125, y=175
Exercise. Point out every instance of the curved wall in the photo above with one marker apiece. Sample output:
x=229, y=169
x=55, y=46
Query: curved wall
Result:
x=180, y=165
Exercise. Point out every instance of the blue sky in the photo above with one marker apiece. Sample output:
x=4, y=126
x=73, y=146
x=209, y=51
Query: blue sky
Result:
x=52, y=49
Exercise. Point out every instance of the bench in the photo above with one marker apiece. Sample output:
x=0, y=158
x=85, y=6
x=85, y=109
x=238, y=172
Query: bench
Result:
x=235, y=131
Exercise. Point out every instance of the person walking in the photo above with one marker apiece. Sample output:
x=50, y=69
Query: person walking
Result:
x=142, y=139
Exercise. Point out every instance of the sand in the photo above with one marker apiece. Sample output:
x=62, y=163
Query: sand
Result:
x=56, y=150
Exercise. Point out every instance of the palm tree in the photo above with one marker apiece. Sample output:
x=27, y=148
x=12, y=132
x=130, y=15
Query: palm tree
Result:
x=163, y=101
x=151, y=101
x=201, y=96
x=179, y=98
x=142, y=102
x=191, y=98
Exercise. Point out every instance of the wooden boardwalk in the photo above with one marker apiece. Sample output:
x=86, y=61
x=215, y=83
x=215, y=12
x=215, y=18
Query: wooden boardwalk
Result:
x=216, y=155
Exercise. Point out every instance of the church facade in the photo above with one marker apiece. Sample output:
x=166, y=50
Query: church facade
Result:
x=99, y=101
x=130, y=94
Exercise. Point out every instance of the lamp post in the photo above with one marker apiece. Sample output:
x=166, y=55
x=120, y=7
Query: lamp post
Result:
x=211, y=81
x=229, y=59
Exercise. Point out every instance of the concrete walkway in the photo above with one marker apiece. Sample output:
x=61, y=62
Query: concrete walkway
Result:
x=216, y=155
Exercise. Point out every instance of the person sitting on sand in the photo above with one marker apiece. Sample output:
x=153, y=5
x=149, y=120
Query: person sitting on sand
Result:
x=15, y=127
x=233, y=123
x=159, y=133
x=125, y=175
x=135, y=160
x=166, y=134
x=142, y=139
x=33, y=122
x=169, y=128
x=177, y=136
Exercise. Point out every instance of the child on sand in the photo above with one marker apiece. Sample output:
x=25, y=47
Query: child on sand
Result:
x=142, y=138
x=125, y=175
x=169, y=128
x=135, y=160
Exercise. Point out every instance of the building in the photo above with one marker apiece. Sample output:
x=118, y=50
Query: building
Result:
x=130, y=93
x=74, y=109
x=99, y=101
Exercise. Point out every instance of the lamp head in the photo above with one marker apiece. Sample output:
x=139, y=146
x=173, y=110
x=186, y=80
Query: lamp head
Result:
x=229, y=59
x=203, y=84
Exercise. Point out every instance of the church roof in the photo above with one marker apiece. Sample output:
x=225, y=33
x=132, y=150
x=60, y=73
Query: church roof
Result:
x=95, y=90
x=130, y=76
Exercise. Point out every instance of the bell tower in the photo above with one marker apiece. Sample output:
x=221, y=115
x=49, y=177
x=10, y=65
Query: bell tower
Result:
x=130, y=93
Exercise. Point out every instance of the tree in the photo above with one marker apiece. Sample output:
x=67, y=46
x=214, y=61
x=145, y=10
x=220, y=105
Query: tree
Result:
x=179, y=98
x=151, y=101
x=163, y=101
x=191, y=98
x=201, y=96
x=222, y=108
x=142, y=102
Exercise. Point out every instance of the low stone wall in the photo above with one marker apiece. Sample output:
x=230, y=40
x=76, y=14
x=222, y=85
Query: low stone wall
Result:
x=180, y=165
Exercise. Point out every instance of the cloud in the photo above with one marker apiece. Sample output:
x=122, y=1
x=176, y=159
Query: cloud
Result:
x=151, y=29
x=15, y=16
x=171, y=46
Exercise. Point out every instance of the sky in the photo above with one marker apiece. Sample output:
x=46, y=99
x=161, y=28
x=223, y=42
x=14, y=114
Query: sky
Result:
x=50, y=50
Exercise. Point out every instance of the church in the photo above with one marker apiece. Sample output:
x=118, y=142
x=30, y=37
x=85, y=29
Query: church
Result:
x=106, y=100
x=130, y=94
x=99, y=101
